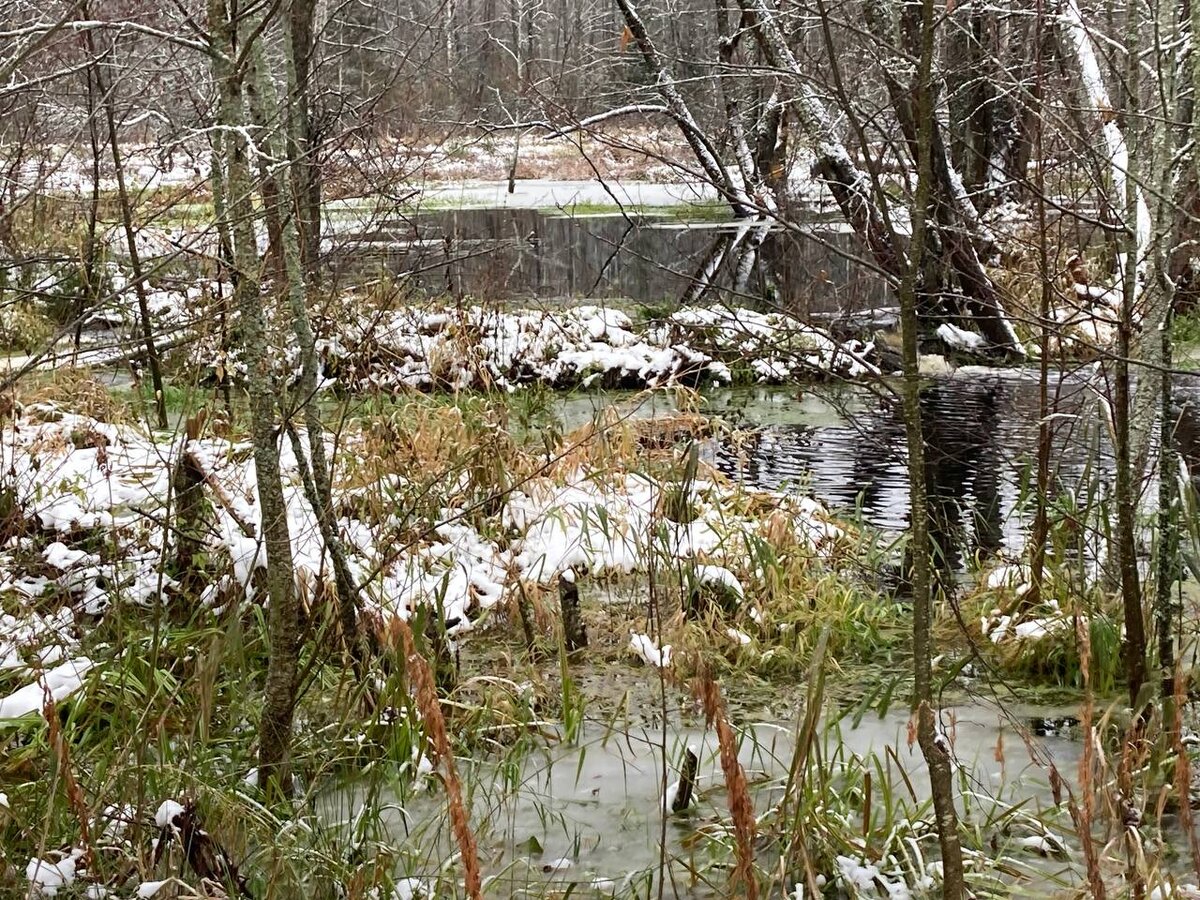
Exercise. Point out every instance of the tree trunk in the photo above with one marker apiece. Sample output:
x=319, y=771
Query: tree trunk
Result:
x=934, y=746
x=1126, y=486
x=88, y=297
x=574, y=633
x=303, y=141
x=279, y=702
x=1040, y=533
x=225, y=270
x=315, y=465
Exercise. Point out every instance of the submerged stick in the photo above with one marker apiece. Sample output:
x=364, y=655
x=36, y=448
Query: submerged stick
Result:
x=685, y=788
x=574, y=632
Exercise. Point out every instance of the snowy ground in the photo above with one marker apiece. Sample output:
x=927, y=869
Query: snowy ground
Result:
x=89, y=494
x=472, y=347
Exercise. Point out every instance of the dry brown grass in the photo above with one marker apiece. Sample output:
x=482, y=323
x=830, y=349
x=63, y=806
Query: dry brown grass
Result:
x=425, y=692
x=614, y=440
x=69, y=388
x=741, y=807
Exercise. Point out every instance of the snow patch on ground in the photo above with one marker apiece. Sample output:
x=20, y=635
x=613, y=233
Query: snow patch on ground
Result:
x=46, y=878
x=649, y=652
x=58, y=683
x=80, y=478
x=473, y=347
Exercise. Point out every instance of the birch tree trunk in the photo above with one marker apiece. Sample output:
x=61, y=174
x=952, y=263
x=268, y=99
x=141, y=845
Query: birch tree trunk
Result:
x=702, y=148
x=850, y=186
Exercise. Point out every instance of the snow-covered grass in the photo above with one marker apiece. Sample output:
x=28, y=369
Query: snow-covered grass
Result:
x=473, y=347
x=93, y=491
x=148, y=662
x=1036, y=635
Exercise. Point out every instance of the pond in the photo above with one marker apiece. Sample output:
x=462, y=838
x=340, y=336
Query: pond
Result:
x=845, y=445
x=586, y=816
x=652, y=258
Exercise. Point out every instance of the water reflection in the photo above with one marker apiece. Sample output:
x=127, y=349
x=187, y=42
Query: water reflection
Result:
x=526, y=254
x=981, y=433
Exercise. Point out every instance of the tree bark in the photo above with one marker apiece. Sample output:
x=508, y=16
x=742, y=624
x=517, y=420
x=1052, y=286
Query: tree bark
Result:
x=934, y=746
x=318, y=482
x=279, y=702
x=303, y=143
x=574, y=632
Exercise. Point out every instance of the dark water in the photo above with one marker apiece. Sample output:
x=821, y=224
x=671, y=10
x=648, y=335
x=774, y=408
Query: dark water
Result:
x=981, y=436
x=526, y=254
x=981, y=433
x=846, y=446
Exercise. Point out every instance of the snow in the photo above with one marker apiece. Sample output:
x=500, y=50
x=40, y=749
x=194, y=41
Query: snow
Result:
x=45, y=877
x=44, y=639
x=1008, y=576
x=1029, y=627
x=779, y=347
x=610, y=524
x=165, y=815
x=410, y=889
x=867, y=879
x=114, y=821
x=646, y=648
x=150, y=888
x=719, y=576
x=672, y=791
x=563, y=194
x=960, y=339
x=738, y=637
x=60, y=683
x=60, y=556
x=474, y=347
x=1045, y=844
x=1171, y=891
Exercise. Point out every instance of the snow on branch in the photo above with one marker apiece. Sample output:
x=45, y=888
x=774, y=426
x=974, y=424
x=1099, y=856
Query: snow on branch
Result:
x=81, y=25
x=632, y=109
